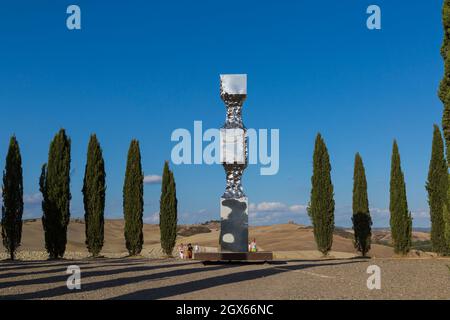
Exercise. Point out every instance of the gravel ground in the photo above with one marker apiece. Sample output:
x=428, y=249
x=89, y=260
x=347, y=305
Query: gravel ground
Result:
x=143, y=278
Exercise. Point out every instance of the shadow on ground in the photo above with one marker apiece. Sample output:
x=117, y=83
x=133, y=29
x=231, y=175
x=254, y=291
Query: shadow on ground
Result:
x=127, y=266
x=187, y=287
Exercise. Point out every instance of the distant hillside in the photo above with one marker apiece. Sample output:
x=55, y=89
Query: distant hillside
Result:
x=289, y=240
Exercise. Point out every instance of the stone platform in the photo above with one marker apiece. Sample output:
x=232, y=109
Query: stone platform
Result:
x=234, y=256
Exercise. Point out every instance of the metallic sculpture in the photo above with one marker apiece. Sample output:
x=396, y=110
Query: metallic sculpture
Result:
x=233, y=93
x=234, y=155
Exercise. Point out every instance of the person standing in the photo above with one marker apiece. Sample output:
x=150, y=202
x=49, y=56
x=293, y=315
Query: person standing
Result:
x=181, y=251
x=253, y=246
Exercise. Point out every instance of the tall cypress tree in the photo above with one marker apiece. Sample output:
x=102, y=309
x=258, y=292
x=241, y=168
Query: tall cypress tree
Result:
x=168, y=215
x=133, y=200
x=362, y=222
x=444, y=88
x=12, y=208
x=401, y=220
x=55, y=187
x=94, y=188
x=321, y=206
x=437, y=186
x=444, y=95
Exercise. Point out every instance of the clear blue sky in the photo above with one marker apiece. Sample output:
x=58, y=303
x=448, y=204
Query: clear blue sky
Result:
x=140, y=69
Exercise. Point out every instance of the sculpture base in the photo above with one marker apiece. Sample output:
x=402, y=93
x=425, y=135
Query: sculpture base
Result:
x=234, y=225
x=234, y=256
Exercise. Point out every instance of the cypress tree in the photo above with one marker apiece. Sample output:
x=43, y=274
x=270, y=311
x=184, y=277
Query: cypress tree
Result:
x=437, y=186
x=94, y=188
x=401, y=220
x=362, y=222
x=321, y=206
x=55, y=188
x=444, y=87
x=445, y=82
x=133, y=200
x=12, y=208
x=444, y=96
x=168, y=215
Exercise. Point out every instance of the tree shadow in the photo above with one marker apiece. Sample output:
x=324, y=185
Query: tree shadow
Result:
x=58, y=268
x=84, y=274
x=86, y=287
x=26, y=264
x=325, y=259
x=187, y=287
x=160, y=292
x=229, y=263
x=22, y=265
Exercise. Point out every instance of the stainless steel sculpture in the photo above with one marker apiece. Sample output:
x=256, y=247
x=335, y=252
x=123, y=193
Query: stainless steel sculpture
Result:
x=233, y=93
x=234, y=155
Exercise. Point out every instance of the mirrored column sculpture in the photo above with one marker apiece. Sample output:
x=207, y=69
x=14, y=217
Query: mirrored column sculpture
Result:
x=234, y=155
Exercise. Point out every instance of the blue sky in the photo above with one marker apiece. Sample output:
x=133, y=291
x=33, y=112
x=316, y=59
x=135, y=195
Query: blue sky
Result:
x=140, y=69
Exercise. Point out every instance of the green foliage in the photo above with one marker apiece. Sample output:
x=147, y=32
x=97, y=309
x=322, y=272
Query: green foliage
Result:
x=446, y=124
x=446, y=213
x=444, y=95
x=437, y=186
x=94, y=188
x=445, y=82
x=133, y=200
x=321, y=206
x=55, y=188
x=401, y=220
x=362, y=222
x=12, y=191
x=168, y=216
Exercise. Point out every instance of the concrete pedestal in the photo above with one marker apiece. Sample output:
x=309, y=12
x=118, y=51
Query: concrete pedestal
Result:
x=234, y=256
x=234, y=225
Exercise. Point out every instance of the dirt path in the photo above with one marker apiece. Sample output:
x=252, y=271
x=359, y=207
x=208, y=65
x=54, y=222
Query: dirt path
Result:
x=171, y=279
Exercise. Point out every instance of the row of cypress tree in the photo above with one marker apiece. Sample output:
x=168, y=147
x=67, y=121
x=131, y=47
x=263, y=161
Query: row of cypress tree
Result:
x=55, y=188
x=321, y=205
x=54, y=185
x=321, y=208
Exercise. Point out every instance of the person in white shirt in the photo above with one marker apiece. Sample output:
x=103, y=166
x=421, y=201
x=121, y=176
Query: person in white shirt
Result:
x=181, y=251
